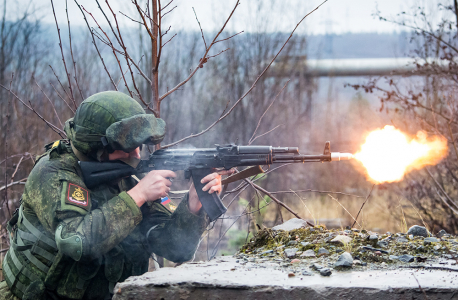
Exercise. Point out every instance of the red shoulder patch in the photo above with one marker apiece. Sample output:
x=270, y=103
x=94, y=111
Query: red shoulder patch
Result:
x=77, y=196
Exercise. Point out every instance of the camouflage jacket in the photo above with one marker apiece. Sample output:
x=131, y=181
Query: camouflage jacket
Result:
x=112, y=229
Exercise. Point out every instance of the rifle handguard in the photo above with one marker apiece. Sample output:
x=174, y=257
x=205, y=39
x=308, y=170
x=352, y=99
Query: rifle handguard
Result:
x=248, y=172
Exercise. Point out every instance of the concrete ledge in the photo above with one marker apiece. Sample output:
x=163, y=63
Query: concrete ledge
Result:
x=223, y=278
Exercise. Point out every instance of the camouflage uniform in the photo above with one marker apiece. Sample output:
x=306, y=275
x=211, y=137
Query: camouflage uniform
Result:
x=73, y=243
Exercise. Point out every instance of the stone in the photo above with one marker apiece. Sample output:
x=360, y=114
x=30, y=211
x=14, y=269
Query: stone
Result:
x=291, y=243
x=325, y=272
x=406, y=258
x=382, y=244
x=437, y=247
x=339, y=250
x=341, y=240
x=308, y=253
x=373, y=237
x=345, y=261
x=305, y=244
x=267, y=252
x=295, y=261
x=402, y=239
x=441, y=233
x=418, y=231
x=357, y=262
x=306, y=273
x=291, y=252
x=316, y=267
x=322, y=251
x=393, y=257
x=291, y=225
x=430, y=240
x=291, y=274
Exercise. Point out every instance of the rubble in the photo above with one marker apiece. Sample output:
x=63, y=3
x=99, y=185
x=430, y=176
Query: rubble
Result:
x=367, y=265
x=317, y=246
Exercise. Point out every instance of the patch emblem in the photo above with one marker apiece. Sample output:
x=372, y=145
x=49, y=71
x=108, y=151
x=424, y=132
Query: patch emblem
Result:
x=77, y=195
x=168, y=203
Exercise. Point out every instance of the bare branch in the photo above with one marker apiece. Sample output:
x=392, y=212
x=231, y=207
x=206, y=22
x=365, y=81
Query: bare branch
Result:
x=367, y=198
x=442, y=190
x=13, y=183
x=169, y=11
x=112, y=48
x=60, y=96
x=53, y=127
x=203, y=59
x=63, y=58
x=169, y=40
x=229, y=37
x=166, y=6
x=52, y=104
x=126, y=55
x=130, y=18
x=260, y=119
x=266, y=132
x=71, y=52
x=345, y=210
x=201, y=31
x=222, y=51
x=96, y=48
x=17, y=167
x=246, y=93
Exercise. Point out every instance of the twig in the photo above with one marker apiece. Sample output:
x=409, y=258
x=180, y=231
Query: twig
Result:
x=203, y=57
x=61, y=97
x=305, y=205
x=130, y=18
x=317, y=191
x=442, y=190
x=125, y=51
x=71, y=52
x=367, y=198
x=247, y=92
x=274, y=198
x=267, y=132
x=17, y=167
x=53, y=127
x=61, y=85
x=345, y=210
x=13, y=183
x=169, y=40
x=63, y=57
x=165, y=6
x=222, y=51
x=228, y=38
x=453, y=139
x=112, y=48
x=52, y=104
x=168, y=11
x=97, y=48
x=260, y=119
x=201, y=31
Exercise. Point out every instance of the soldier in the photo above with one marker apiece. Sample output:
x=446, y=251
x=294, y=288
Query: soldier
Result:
x=69, y=242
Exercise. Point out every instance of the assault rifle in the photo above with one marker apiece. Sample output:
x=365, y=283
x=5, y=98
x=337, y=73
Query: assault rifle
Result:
x=198, y=163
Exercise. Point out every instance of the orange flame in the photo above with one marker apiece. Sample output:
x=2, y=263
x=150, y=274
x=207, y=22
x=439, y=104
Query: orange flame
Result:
x=388, y=154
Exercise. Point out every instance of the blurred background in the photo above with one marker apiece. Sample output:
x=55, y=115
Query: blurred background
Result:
x=351, y=67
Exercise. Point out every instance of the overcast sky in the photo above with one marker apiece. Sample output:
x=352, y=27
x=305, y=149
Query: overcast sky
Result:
x=335, y=16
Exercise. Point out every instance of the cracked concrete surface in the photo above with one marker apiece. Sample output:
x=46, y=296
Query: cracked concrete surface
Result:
x=224, y=278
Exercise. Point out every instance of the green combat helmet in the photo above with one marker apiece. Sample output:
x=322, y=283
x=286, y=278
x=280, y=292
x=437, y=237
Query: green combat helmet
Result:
x=110, y=121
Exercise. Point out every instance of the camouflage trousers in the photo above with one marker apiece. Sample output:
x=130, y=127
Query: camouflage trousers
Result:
x=5, y=293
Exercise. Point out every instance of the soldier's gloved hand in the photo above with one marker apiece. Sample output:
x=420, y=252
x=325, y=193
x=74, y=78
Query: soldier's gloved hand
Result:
x=153, y=186
x=213, y=185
